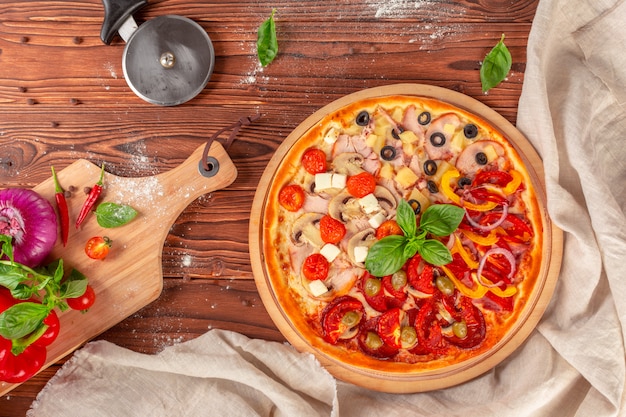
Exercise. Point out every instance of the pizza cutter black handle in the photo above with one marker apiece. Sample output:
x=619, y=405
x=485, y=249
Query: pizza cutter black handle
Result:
x=115, y=14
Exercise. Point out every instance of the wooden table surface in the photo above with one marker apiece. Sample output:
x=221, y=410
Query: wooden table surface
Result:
x=63, y=96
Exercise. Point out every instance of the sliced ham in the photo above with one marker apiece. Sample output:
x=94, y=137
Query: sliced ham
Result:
x=439, y=136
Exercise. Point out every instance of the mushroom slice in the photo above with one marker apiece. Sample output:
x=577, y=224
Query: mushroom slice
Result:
x=385, y=198
x=348, y=163
x=344, y=207
x=366, y=238
x=478, y=155
x=306, y=230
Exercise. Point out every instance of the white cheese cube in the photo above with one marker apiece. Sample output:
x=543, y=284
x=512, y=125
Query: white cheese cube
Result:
x=317, y=288
x=331, y=135
x=360, y=253
x=323, y=181
x=377, y=219
x=369, y=203
x=330, y=252
x=338, y=181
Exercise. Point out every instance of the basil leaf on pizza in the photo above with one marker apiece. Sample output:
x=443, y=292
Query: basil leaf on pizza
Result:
x=423, y=216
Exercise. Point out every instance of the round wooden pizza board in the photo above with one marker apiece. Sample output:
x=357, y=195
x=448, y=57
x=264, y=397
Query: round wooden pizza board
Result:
x=413, y=381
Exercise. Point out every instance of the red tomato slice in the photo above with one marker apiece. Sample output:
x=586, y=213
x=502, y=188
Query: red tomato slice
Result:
x=315, y=266
x=341, y=314
x=475, y=322
x=429, y=334
x=314, y=161
x=331, y=230
x=389, y=328
x=371, y=343
x=361, y=184
x=399, y=293
x=388, y=228
x=291, y=197
x=421, y=281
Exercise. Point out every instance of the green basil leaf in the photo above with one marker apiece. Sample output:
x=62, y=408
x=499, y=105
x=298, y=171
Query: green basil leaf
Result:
x=496, y=66
x=22, y=319
x=74, y=286
x=441, y=219
x=23, y=292
x=7, y=246
x=111, y=215
x=405, y=216
x=412, y=246
x=386, y=256
x=11, y=276
x=267, y=43
x=434, y=252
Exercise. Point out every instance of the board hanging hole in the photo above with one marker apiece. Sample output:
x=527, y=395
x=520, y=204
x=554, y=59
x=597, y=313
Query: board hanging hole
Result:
x=213, y=166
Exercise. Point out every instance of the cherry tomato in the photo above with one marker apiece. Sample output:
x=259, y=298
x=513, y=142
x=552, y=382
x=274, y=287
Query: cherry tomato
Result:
x=291, y=197
x=315, y=267
x=98, y=247
x=314, y=161
x=331, y=230
x=361, y=184
x=389, y=328
x=84, y=302
x=388, y=228
x=51, y=333
x=342, y=314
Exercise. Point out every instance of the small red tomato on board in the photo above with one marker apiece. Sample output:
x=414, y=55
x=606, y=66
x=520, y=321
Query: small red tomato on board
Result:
x=315, y=267
x=98, y=247
x=331, y=230
x=361, y=184
x=314, y=161
x=84, y=302
x=291, y=197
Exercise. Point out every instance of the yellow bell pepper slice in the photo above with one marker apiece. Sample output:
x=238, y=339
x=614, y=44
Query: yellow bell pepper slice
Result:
x=480, y=290
x=458, y=247
x=448, y=192
x=488, y=240
x=514, y=184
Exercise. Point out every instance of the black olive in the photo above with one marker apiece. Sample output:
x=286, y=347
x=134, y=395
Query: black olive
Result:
x=481, y=158
x=432, y=187
x=396, y=132
x=415, y=205
x=363, y=118
x=464, y=181
x=423, y=118
x=388, y=153
x=470, y=131
x=438, y=139
x=430, y=167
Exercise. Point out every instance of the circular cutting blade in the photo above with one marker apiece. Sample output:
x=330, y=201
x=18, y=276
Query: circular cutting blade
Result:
x=168, y=60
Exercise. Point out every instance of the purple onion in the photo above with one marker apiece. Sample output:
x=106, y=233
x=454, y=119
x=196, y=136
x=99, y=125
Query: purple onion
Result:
x=32, y=222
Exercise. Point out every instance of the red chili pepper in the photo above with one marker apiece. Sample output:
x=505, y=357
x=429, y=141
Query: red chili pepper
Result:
x=95, y=192
x=64, y=214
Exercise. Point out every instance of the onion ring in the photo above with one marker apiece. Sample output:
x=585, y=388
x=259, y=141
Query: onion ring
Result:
x=483, y=260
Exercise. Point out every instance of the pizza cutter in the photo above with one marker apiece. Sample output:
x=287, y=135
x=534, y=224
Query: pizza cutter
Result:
x=167, y=60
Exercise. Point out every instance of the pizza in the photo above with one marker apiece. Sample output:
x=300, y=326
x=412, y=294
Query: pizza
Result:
x=402, y=234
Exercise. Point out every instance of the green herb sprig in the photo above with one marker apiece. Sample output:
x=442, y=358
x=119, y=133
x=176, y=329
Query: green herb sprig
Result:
x=390, y=253
x=267, y=43
x=24, y=282
x=496, y=66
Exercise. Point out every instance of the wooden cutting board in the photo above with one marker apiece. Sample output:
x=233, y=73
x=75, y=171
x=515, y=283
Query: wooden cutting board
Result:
x=131, y=276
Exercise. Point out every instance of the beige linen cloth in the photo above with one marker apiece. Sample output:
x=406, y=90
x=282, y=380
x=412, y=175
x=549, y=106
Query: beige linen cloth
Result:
x=573, y=109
